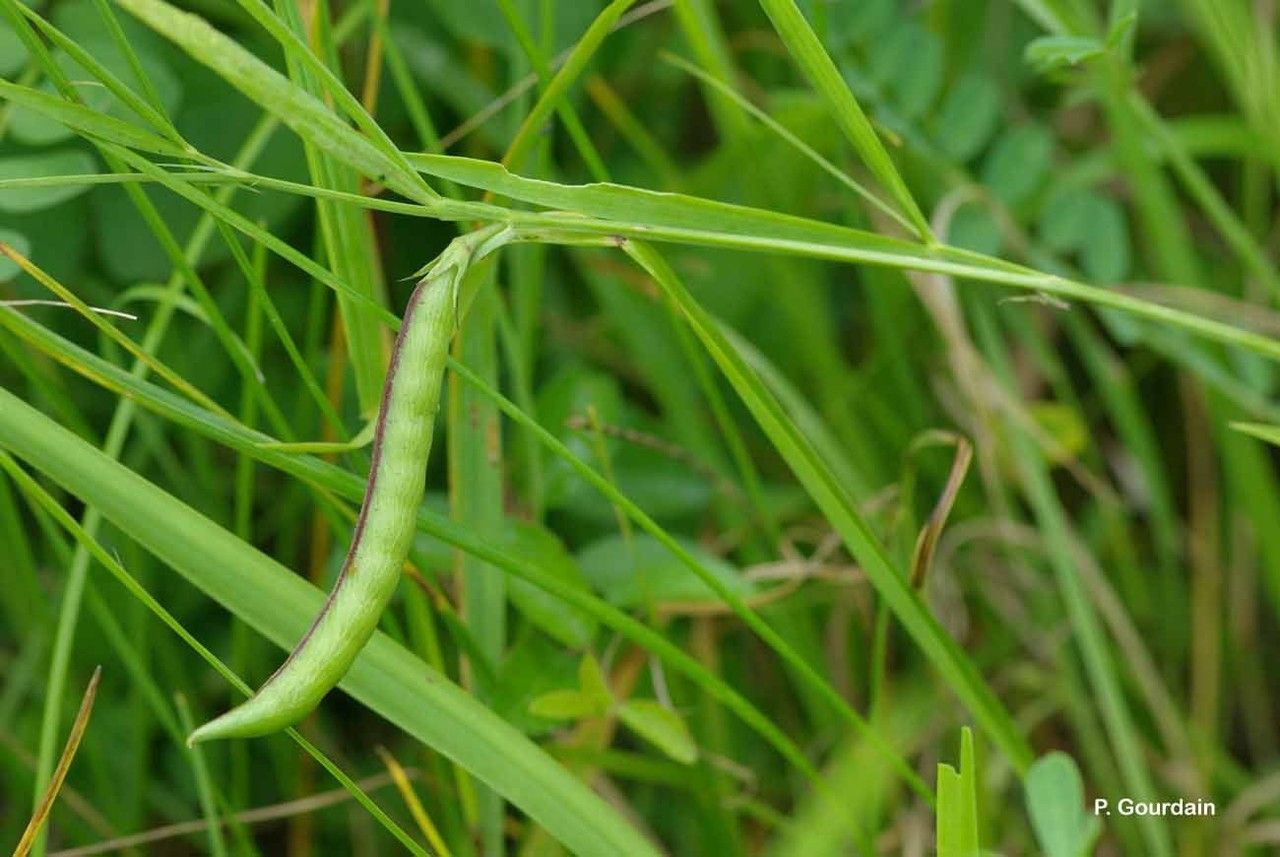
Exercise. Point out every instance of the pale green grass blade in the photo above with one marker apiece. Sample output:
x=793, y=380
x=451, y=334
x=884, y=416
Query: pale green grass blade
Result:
x=691, y=220
x=297, y=52
x=807, y=51
x=94, y=124
x=204, y=784
x=730, y=94
x=1270, y=434
x=310, y=118
x=347, y=232
x=701, y=26
x=279, y=604
x=476, y=485
x=564, y=108
x=127, y=96
x=557, y=87
x=64, y=637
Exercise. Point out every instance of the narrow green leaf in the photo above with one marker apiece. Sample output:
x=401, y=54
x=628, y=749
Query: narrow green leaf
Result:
x=1270, y=434
x=346, y=232
x=94, y=123
x=566, y=705
x=276, y=94
x=807, y=51
x=661, y=727
x=948, y=825
x=1051, y=53
x=558, y=87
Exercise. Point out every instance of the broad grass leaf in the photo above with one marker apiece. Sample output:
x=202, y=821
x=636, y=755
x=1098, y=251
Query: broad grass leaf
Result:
x=661, y=727
x=1056, y=803
x=63, y=162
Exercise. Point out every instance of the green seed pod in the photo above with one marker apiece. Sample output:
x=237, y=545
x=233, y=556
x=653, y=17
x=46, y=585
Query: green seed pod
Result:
x=384, y=531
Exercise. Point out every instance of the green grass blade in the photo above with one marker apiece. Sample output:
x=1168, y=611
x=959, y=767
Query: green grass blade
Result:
x=302, y=112
x=557, y=88
x=347, y=232
x=807, y=51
